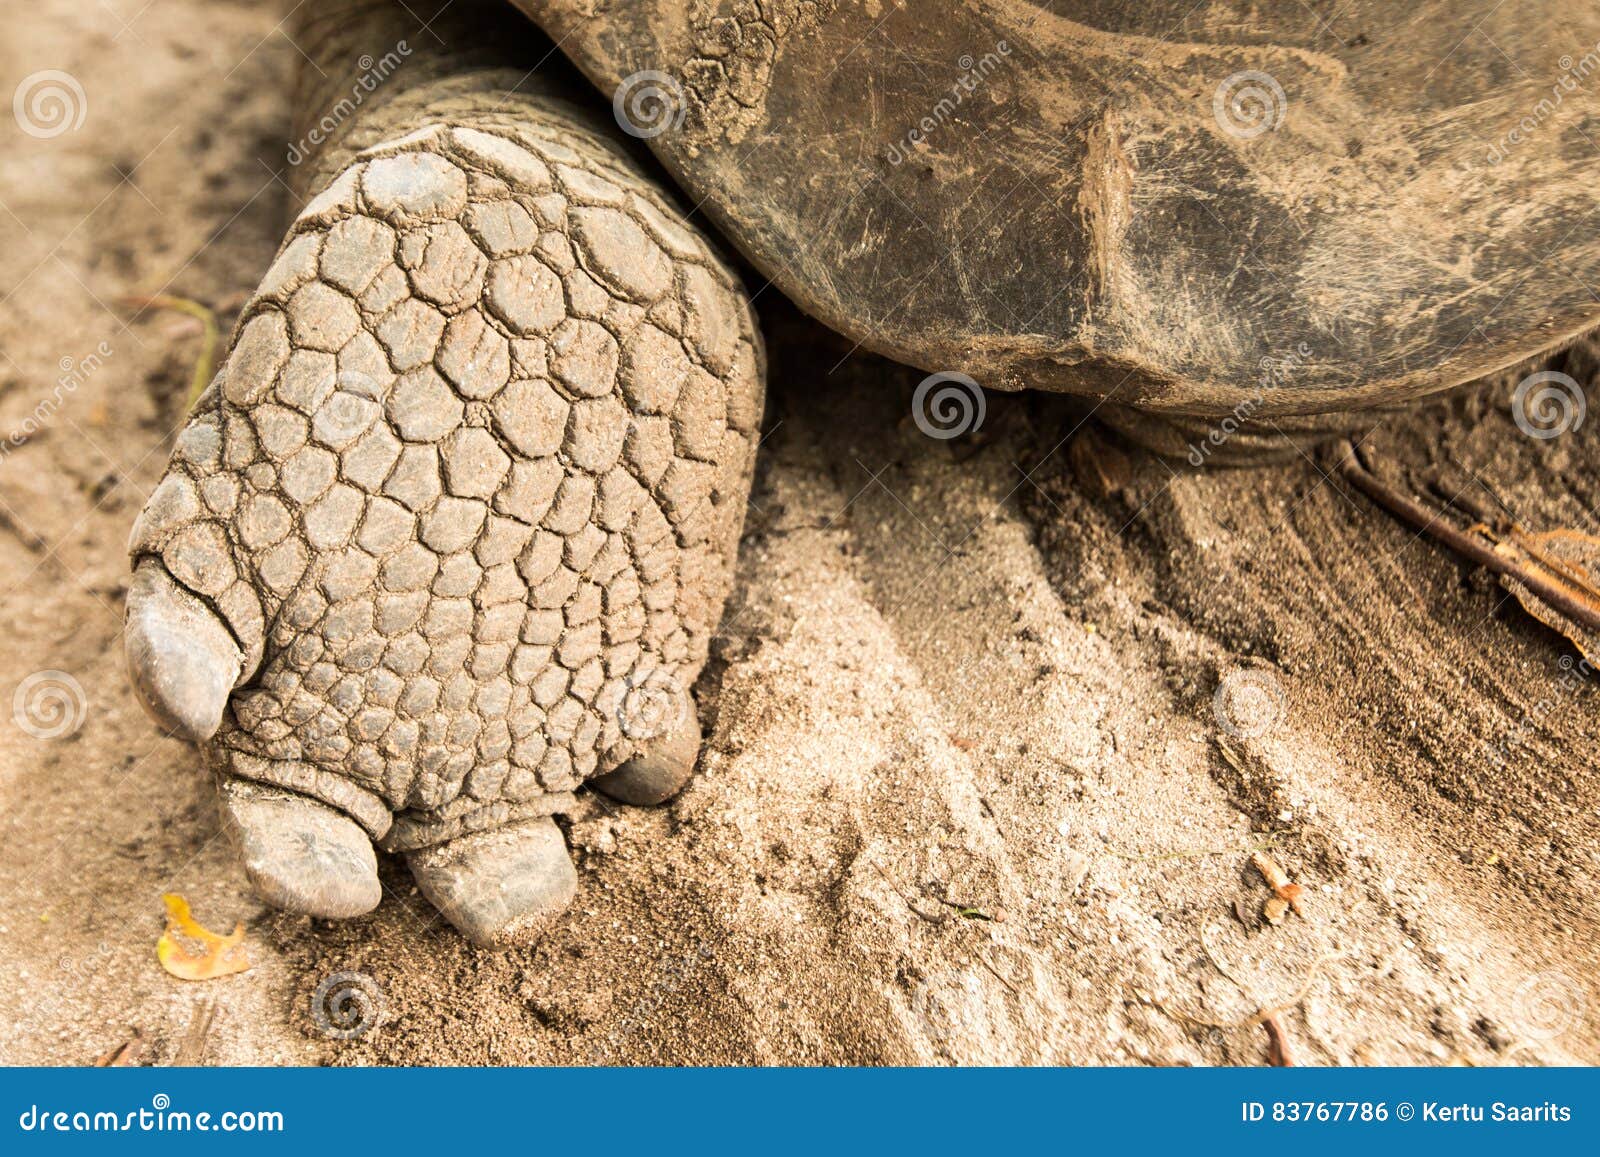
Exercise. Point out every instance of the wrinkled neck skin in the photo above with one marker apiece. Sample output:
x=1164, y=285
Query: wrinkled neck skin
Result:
x=1243, y=437
x=374, y=70
x=1237, y=438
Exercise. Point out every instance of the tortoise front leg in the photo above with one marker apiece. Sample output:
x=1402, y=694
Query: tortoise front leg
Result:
x=451, y=530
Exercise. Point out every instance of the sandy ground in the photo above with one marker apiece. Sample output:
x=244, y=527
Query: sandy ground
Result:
x=965, y=796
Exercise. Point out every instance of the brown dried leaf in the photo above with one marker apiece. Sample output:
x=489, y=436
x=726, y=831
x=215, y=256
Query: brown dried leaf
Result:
x=1571, y=557
x=125, y=1055
x=1283, y=888
x=1275, y=876
x=1279, y=1054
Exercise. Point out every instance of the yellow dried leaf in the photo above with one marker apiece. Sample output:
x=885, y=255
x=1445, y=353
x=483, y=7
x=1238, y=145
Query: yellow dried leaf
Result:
x=1275, y=909
x=190, y=951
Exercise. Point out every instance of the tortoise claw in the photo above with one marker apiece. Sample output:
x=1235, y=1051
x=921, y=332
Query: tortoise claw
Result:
x=662, y=768
x=182, y=659
x=499, y=887
x=301, y=856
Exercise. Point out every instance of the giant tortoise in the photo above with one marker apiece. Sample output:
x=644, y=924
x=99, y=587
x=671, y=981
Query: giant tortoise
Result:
x=450, y=532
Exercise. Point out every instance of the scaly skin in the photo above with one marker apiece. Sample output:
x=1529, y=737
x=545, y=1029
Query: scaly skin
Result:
x=465, y=497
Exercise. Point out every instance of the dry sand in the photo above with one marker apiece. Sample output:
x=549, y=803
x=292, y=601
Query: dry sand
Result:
x=963, y=797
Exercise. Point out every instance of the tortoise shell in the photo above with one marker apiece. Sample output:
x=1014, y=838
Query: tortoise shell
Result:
x=1146, y=201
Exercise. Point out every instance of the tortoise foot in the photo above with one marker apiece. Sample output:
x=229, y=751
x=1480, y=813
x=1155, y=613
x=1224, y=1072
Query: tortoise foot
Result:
x=300, y=855
x=501, y=887
x=451, y=530
x=669, y=745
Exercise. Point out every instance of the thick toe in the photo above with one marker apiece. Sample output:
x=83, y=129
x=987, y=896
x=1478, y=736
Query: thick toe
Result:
x=181, y=658
x=301, y=856
x=664, y=765
x=499, y=887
